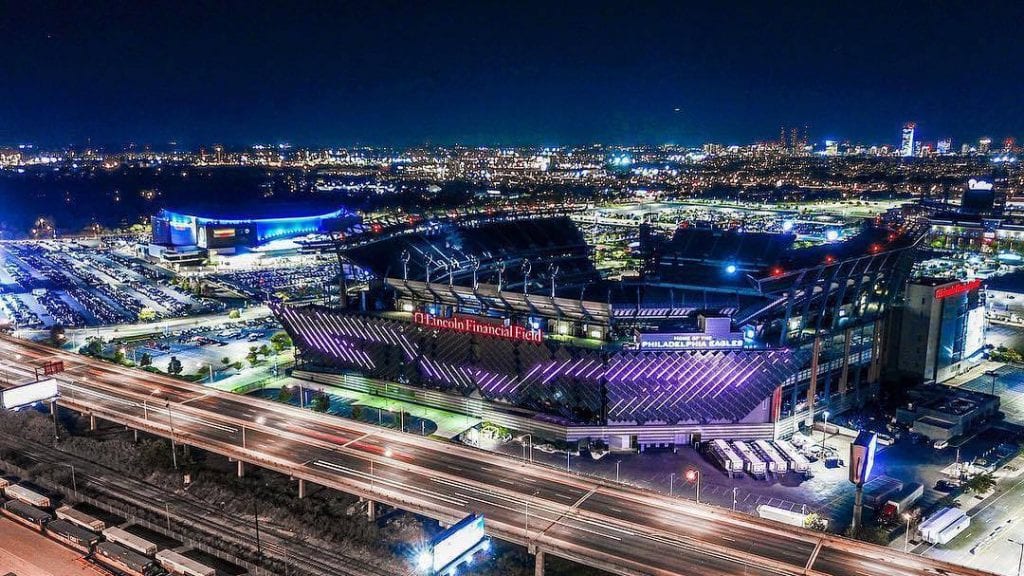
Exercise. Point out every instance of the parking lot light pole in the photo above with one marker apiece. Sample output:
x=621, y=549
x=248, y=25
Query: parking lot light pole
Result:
x=734, y=488
x=617, y=462
x=671, y=483
x=693, y=475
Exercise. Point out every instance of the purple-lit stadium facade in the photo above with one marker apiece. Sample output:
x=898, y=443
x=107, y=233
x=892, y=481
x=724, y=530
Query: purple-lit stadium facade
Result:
x=808, y=329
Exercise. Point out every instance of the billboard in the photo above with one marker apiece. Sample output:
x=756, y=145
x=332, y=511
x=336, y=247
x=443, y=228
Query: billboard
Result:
x=457, y=540
x=28, y=394
x=862, y=457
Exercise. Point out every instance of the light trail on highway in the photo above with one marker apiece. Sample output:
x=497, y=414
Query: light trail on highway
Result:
x=612, y=527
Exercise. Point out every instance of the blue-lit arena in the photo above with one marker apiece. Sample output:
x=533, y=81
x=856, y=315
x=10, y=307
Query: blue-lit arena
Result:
x=214, y=231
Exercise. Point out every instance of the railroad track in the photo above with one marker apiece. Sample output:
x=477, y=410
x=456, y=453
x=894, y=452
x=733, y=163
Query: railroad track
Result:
x=301, y=557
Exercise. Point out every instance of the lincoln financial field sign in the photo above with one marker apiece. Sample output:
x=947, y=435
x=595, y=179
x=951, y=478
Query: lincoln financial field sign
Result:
x=473, y=326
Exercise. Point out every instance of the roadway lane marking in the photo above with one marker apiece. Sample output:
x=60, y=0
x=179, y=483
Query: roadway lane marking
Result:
x=377, y=480
x=814, y=555
x=367, y=435
x=206, y=394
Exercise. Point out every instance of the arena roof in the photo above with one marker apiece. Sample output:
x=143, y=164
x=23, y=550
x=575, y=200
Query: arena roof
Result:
x=243, y=212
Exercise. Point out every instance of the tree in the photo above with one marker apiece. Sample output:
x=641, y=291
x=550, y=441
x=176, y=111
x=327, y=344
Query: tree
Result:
x=980, y=483
x=234, y=314
x=225, y=361
x=285, y=394
x=264, y=351
x=94, y=347
x=253, y=356
x=174, y=366
x=281, y=341
x=145, y=360
x=814, y=521
x=321, y=402
x=119, y=355
x=57, y=335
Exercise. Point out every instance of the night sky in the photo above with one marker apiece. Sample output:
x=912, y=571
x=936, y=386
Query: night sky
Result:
x=545, y=73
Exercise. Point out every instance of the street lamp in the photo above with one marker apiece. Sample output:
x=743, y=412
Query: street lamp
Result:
x=693, y=475
x=617, y=462
x=1020, y=558
x=824, y=431
x=530, y=436
x=734, y=488
x=174, y=447
x=74, y=484
x=671, y=482
x=906, y=539
x=994, y=376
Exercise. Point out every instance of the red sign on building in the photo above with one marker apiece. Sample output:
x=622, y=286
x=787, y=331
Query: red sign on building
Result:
x=957, y=289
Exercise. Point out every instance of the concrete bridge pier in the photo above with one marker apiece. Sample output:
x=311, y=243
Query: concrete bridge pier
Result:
x=302, y=488
x=241, y=469
x=371, y=511
x=538, y=563
x=92, y=422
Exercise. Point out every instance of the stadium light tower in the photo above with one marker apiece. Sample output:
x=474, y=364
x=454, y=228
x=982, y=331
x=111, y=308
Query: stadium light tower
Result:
x=429, y=263
x=453, y=265
x=474, y=263
x=501, y=274
x=405, y=265
x=553, y=271
x=526, y=267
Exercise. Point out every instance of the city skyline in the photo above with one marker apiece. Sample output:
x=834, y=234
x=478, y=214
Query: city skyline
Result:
x=394, y=75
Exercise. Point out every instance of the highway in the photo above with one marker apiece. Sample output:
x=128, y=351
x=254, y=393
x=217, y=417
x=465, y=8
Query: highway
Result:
x=611, y=527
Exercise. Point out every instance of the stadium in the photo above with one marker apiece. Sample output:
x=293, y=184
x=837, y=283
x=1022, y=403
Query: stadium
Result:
x=724, y=334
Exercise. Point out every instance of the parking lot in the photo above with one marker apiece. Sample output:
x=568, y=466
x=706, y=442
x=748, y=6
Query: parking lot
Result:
x=45, y=283
x=201, y=349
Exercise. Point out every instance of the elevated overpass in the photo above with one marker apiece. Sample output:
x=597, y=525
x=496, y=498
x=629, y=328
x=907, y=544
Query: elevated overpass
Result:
x=611, y=527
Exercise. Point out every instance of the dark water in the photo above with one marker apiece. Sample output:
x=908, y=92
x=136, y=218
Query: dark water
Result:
x=76, y=198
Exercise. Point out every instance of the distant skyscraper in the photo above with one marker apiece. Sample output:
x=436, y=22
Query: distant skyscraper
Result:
x=984, y=145
x=907, y=143
x=944, y=146
x=831, y=148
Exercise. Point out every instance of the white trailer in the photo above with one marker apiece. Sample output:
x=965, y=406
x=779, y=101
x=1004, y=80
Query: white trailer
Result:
x=783, y=515
x=944, y=525
x=19, y=492
x=776, y=463
x=797, y=462
x=752, y=463
x=129, y=540
x=725, y=456
x=180, y=564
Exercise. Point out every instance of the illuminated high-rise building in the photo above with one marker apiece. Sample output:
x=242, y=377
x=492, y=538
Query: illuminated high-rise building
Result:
x=831, y=148
x=984, y=145
x=907, y=143
x=944, y=146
